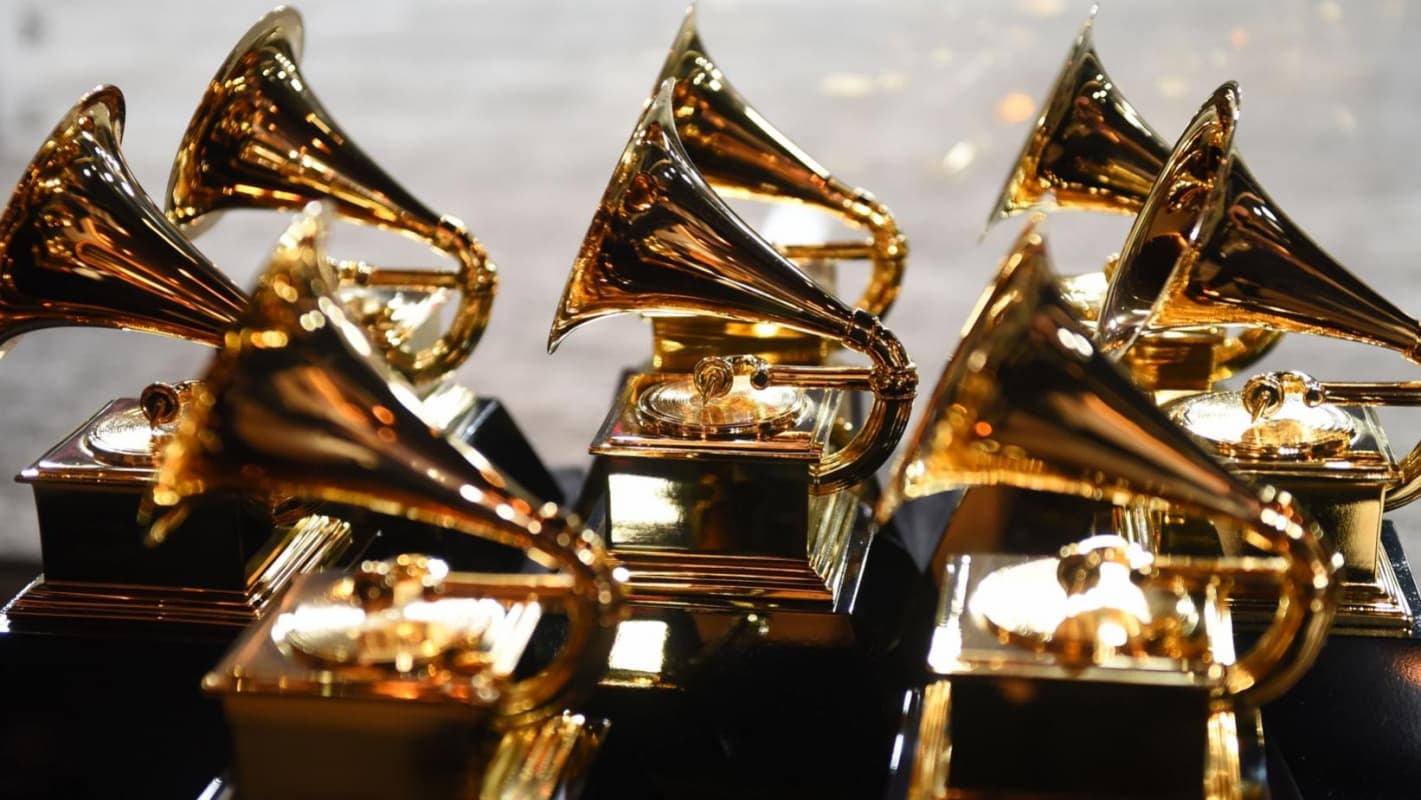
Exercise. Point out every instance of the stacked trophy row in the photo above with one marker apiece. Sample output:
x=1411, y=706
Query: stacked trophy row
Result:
x=730, y=601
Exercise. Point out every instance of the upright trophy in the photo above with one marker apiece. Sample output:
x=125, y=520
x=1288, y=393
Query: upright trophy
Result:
x=404, y=667
x=1105, y=639
x=81, y=244
x=1211, y=245
x=740, y=154
x=729, y=487
x=260, y=138
x=1091, y=150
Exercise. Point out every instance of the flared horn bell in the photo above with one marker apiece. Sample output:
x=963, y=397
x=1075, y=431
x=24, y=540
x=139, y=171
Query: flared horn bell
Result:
x=1027, y=401
x=296, y=404
x=1211, y=248
x=82, y=244
x=1088, y=150
x=662, y=242
x=260, y=138
x=740, y=153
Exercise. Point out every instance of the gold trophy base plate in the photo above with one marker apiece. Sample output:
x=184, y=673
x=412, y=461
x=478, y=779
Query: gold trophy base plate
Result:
x=309, y=544
x=1366, y=608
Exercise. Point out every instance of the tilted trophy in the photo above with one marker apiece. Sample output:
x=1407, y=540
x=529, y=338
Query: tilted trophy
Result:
x=260, y=138
x=81, y=244
x=1041, y=660
x=728, y=488
x=740, y=154
x=1091, y=150
x=1211, y=245
x=397, y=679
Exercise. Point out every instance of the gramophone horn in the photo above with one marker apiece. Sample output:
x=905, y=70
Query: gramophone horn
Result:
x=663, y=242
x=1027, y=401
x=1211, y=248
x=296, y=404
x=741, y=154
x=260, y=138
x=81, y=243
x=1089, y=149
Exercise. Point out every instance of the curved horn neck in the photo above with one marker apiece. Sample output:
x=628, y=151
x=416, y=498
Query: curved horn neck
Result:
x=298, y=405
x=663, y=241
x=260, y=137
x=82, y=244
x=1211, y=248
x=1089, y=150
x=740, y=153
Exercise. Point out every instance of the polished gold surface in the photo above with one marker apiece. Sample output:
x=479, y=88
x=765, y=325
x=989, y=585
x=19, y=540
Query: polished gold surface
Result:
x=543, y=760
x=1028, y=401
x=663, y=243
x=740, y=154
x=82, y=244
x=297, y=404
x=1210, y=248
x=1320, y=442
x=1091, y=150
x=260, y=138
x=1101, y=619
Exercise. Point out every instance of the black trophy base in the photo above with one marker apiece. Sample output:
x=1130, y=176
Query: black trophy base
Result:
x=100, y=715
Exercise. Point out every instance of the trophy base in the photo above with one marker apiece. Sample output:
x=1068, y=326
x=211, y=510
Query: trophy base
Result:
x=1384, y=606
x=307, y=545
x=969, y=736
x=421, y=751
x=822, y=581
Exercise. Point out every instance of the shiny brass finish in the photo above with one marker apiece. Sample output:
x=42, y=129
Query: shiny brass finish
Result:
x=1320, y=442
x=740, y=154
x=81, y=243
x=392, y=678
x=1210, y=248
x=544, y=759
x=1090, y=150
x=296, y=404
x=1028, y=401
x=1096, y=630
x=663, y=243
x=260, y=138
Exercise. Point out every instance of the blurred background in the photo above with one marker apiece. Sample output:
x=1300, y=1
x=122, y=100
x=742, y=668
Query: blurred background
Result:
x=512, y=115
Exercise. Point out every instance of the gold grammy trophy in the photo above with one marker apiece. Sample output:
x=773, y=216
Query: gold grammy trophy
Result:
x=261, y=139
x=727, y=488
x=403, y=668
x=740, y=154
x=1038, y=660
x=81, y=244
x=1210, y=244
x=1091, y=150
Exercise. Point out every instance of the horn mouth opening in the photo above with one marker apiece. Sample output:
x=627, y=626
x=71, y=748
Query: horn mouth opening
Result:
x=1016, y=196
x=1183, y=209
x=279, y=29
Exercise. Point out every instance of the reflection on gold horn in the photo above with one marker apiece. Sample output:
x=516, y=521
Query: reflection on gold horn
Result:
x=1028, y=401
x=81, y=243
x=1211, y=248
x=260, y=138
x=1088, y=150
x=741, y=154
x=296, y=404
x=662, y=242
